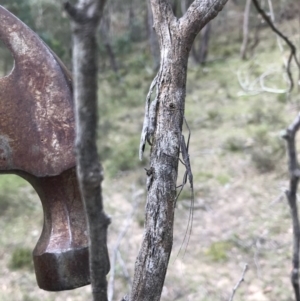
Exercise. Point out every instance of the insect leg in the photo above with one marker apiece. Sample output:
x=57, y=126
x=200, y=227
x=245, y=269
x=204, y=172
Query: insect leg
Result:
x=182, y=185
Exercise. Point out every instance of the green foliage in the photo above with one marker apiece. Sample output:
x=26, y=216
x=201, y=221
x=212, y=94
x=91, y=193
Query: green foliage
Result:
x=282, y=97
x=263, y=161
x=5, y=201
x=218, y=251
x=223, y=50
x=223, y=179
x=267, y=149
x=185, y=193
x=124, y=156
x=11, y=183
x=54, y=44
x=21, y=258
x=54, y=28
x=234, y=144
x=22, y=9
x=137, y=31
x=48, y=20
x=122, y=45
x=8, y=185
x=203, y=176
x=262, y=114
x=213, y=115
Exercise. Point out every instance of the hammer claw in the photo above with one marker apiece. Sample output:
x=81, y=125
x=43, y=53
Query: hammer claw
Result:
x=36, y=142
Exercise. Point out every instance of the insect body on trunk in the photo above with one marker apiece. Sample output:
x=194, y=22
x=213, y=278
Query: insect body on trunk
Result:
x=188, y=175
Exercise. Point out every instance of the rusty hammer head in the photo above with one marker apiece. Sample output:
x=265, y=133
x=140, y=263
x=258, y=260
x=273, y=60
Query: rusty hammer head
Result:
x=36, y=143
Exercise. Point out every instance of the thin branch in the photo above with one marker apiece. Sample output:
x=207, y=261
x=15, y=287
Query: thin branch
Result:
x=239, y=282
x=198, y=15
x=73, y=12
x=291, y=194
x=267, y=89
x=245, y=30
x=249, y=87
x=125, y=270
x=257, y=247
x=256, y=261
x=277, y=37
x=292, y=47
x=85, y=17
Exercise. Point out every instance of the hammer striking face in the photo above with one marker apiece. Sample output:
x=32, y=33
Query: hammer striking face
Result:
x=36, y=143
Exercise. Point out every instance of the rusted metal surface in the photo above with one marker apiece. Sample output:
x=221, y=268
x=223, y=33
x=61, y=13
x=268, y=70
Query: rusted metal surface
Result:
x=36, y=117
x=36, y=143
x=61, y=254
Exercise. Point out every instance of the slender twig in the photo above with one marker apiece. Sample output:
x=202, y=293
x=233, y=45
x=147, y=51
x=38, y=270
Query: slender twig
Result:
x=278, y=199
x=267, y=89
x=256, y=261
x=291, y=195
x=257, y=246
x=245, y=30
x=272, y=16
x=285, y=38
x=249, y=87
x=239, y=282
x=125, y=270
x=125, y=227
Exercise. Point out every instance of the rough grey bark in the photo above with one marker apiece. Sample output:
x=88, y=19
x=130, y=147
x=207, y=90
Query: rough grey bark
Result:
x=85, y=18
x=162, y=128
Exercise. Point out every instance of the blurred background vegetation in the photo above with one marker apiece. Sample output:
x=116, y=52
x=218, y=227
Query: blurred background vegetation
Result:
x=238, y=158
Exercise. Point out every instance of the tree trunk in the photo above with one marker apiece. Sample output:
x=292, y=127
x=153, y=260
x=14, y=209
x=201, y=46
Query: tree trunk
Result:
x=162, y=128
x=85, y=19
x=151, y=266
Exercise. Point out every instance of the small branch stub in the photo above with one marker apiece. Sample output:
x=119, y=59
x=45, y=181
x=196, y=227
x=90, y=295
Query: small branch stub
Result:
x=239, y=282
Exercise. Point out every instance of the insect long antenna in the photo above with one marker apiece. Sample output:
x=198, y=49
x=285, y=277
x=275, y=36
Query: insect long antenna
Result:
x=188, y=141
x=188, y=175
